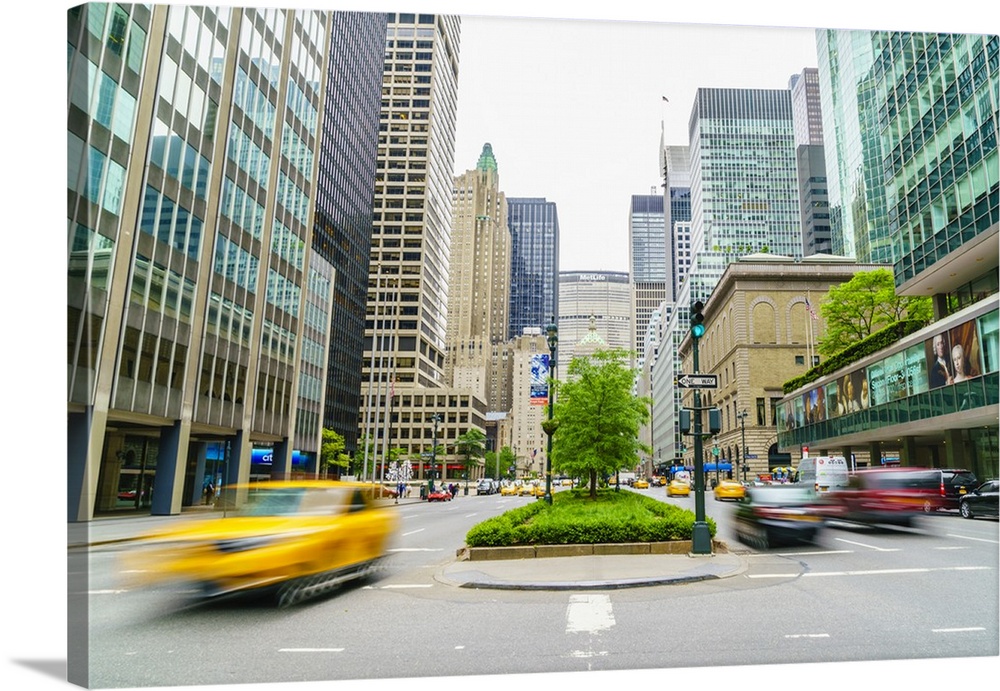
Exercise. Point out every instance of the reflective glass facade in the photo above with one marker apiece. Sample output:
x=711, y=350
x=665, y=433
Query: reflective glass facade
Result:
x=192, y=138
x=345, y=188
x=938, y=117
x=534, y=265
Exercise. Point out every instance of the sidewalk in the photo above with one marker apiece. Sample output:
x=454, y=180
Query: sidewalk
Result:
x=590, y=572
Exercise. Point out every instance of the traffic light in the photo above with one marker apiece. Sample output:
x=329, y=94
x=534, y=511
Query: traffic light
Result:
x=697, y=319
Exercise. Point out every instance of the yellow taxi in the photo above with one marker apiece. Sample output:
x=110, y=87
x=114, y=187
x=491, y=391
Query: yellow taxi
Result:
x=729, y=489
x=291, y=540
x=537, y=490
x=678, y=488
x=641, y=484
x=509, y=491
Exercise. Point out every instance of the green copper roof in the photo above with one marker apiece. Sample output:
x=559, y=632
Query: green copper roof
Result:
x=487, y=161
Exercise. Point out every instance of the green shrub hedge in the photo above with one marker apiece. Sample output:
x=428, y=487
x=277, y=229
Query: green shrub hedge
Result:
x=574, y=518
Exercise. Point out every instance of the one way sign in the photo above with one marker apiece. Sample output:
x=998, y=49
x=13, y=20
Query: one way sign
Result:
x=698, y=381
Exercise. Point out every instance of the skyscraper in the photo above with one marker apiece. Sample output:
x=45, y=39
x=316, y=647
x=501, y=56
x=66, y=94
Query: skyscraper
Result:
x=593, y=298
x=478, y=287
x=648, y=266
x=406, y=312
x=191, y=164
x=859, y=225
x=534, y=266
x=342, y=226
x=744, y=190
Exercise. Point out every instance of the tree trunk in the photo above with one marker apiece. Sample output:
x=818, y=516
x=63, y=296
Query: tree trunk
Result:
x=593, y=484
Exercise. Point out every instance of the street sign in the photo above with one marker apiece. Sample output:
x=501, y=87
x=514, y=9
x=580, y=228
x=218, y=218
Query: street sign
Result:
x=751, y=456
x=698, y=381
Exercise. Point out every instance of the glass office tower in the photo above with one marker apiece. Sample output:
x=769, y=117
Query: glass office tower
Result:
x=935, y=96
x=534, y=265
x=191, y=157
x=345, y=189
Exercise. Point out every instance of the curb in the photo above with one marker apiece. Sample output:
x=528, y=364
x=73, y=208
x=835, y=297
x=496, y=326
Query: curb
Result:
x=619, y=584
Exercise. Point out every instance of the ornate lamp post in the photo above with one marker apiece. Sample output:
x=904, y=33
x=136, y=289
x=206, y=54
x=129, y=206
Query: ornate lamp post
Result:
x=743, y=441
x=552, y=337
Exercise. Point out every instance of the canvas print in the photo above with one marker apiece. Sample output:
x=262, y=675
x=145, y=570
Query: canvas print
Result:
x=436, y=347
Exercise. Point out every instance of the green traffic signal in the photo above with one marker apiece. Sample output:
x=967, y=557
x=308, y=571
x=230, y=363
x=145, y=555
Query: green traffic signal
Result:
x=697, y=319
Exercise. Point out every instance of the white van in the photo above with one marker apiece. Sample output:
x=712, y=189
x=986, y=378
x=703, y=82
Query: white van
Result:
x=823, y=473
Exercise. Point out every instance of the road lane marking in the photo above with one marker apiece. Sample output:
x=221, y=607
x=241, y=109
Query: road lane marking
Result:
x=105, y=592
x=807, y=635
x=470, y=515
x=588, y=653
x=414, y=532
x=310, y=650
x=977, y=539
x=958, y=547
x=861, y=544
x=589, y=614
x=959, y=630
x=877, y=572
x=800, y=554
x=415, y=549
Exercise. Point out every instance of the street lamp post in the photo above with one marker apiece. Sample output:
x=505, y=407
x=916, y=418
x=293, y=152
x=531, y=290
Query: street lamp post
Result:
x=552, y=337
x=743, y=441
x=434, y=442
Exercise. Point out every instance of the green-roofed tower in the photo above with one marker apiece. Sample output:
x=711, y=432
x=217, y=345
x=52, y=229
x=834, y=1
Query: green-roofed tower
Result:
x=487, y=161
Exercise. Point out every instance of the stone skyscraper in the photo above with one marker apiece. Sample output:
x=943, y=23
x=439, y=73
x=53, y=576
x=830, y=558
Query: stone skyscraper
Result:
x=479, y=284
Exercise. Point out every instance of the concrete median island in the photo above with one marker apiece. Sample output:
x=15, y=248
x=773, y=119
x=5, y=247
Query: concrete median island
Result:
x=583, y=550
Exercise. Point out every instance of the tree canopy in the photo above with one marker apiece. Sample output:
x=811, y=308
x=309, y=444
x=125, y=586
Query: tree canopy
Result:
x=473, y=445
x=332, y=451
x=865, y=304
x=598, y=417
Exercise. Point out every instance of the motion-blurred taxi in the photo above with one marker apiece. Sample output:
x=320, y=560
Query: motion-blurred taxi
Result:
x=678, y=488
x=729, y=489
x=291, y=540
x=509, y=491
x=641, y=484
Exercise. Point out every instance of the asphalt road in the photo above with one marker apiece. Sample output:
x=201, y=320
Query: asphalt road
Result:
x=859, y=594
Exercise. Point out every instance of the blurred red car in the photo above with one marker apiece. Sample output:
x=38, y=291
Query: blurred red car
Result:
x=439, y=495
x=886, y=495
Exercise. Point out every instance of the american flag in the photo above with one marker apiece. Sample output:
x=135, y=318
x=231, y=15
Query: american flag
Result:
x=811, y=310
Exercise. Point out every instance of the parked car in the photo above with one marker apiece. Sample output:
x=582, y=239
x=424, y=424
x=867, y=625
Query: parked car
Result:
x=486, y=486
x=678, y=488
x=729, y=489
x=773, y=515
x=886, y=495
x=955, y=483
x=290, y=540
x=981, y=501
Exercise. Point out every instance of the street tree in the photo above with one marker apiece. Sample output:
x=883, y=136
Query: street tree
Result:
x=598, y=417
x=473, y=445
x=332, y=451
x=863, y=305
x=508, y=460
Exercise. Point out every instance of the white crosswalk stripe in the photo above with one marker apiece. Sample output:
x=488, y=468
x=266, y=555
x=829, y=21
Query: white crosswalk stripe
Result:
x=589, y=614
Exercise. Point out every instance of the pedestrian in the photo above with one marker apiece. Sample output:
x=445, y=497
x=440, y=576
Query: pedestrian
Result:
x=454, y=490
x=209, y=493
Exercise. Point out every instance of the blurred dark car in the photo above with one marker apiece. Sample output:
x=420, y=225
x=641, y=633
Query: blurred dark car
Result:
x=887, y=495
x=981, y=501
x=955, y=484
x=772, y=515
